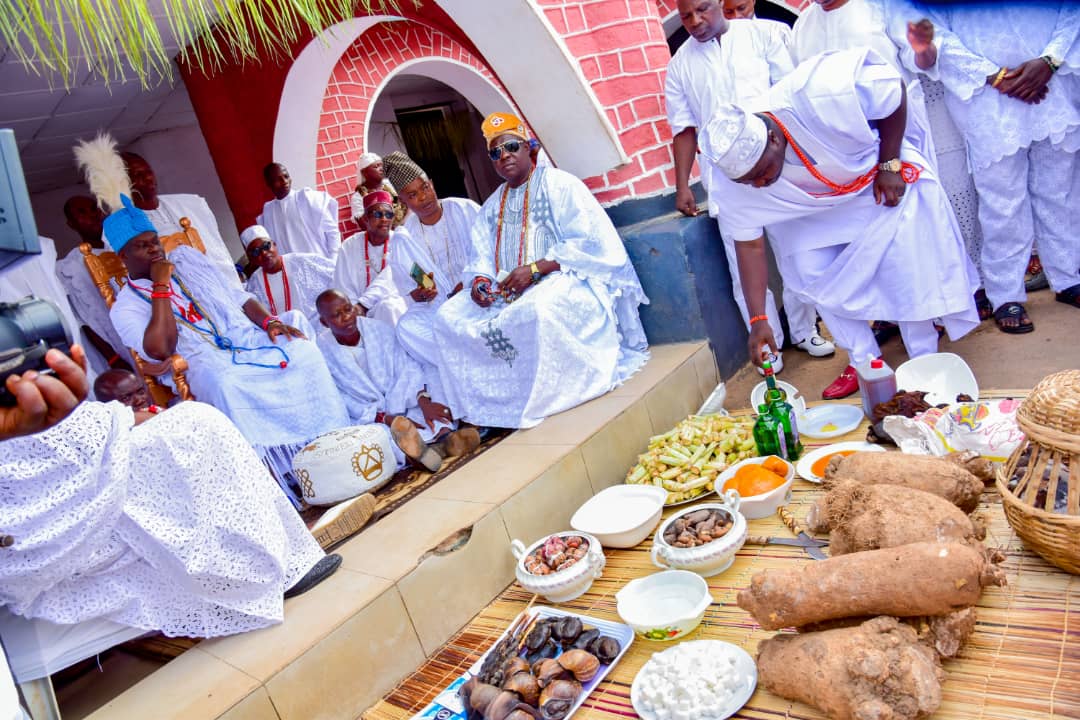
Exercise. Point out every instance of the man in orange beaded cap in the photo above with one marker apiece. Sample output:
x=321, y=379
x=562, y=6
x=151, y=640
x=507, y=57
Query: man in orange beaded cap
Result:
x=549, y=316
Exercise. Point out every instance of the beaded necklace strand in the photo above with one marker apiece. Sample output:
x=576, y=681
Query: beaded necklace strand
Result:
x=522, y=254
x=209, y=334
x=909, y=172
x=285, y=284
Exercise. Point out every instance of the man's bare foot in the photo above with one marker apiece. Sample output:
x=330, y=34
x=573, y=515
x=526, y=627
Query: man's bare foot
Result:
x=408, y=439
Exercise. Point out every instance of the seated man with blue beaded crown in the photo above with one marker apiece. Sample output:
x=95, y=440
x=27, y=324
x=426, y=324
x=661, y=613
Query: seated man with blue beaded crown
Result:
x=258, y=369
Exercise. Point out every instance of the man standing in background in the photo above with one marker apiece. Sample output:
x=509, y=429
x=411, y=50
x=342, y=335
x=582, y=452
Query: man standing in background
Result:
x=304, y=220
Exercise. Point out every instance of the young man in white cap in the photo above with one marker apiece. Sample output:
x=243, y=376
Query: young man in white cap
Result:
x=285, y=282
x=849, y=205
x=728, y=62
x=549, y=318
x=370, y=178
x=363, y=272
x=304, y=220
x=429, y=260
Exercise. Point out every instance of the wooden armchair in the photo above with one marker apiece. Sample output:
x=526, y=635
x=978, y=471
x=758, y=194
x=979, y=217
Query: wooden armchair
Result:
x=107, y=268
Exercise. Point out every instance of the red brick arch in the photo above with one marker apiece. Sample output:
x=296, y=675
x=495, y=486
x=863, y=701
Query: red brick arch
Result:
x=667, y=7
x=351, y=92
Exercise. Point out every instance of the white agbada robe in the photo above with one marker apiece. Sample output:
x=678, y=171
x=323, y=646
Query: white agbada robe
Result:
x=572, y=337
x=166, y=220
x=277, y=409
x=441, y=249
x=305, y=220
x=748, y=59
x=309, y=274
x=378, y=376
x=172, y=525
x=854, y=259
x=1023, y=157
x=868, y=23
x=364, y=274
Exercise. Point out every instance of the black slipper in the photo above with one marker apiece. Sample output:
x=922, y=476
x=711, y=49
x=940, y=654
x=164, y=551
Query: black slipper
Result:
x=321, y=570
x=1013, y=310
x=1069, y=296
x=884, y=331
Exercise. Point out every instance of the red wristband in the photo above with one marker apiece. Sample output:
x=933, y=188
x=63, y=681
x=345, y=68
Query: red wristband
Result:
x=759, y=318
x=160, y=295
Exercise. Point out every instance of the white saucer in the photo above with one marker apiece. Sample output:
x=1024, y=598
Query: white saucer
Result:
x=807, y=461
x=843, y=418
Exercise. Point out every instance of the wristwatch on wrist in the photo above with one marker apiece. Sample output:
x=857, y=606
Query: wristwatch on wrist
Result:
x=537, y=276
x=1053, y=62
x=892, y=166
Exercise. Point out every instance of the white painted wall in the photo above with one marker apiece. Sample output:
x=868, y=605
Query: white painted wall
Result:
x=182, y=162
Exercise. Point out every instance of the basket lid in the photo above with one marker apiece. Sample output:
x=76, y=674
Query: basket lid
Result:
x=1051, y=413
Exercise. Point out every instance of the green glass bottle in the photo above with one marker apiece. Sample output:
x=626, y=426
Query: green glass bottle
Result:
x=784, y=413
x=769, y=435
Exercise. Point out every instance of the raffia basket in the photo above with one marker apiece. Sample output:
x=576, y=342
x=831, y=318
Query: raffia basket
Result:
x=1050, y=420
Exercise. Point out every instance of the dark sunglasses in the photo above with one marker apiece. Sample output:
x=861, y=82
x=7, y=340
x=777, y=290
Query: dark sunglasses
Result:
x=257, y=251
x=383, y=214
x=510, y=146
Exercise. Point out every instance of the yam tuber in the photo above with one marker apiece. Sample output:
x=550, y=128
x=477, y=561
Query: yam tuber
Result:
x=868, y=517
x=927, y=578
x=974, y=463
x=945, y=634
x=922, y=472
x=875, y=671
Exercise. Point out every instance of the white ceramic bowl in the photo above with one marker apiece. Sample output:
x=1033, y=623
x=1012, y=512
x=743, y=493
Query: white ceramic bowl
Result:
x=806, y=463
x=711, y=558
x=843, y=418
x=757, y=396
x=665, y=605
x=753, y=507
x=942, y=376
x=621, y=516
x=565, y=584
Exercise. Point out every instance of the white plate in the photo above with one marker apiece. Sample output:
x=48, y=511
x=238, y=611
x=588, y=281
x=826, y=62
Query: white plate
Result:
x=747, y=669
x=808, y=460
x=757, y=396
x=942, y=376
x=845, y=417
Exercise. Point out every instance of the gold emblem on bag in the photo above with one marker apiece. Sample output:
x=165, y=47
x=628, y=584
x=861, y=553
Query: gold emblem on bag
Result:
x=368, y=462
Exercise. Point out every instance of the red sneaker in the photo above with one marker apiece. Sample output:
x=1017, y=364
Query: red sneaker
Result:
x=843, y=386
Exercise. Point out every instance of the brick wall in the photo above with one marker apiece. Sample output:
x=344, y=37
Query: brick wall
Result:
x=350, y=94
x=666, y=7
x=623, y=53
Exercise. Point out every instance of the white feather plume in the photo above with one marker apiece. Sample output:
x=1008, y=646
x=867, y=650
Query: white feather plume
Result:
x=104, y=170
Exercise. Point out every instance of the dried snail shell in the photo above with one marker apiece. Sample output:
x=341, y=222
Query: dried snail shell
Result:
x=515, y=665
x=567, y=630
x=478, y=695
x=557, y=699
x=549, y=670
x=525, y=685
x=581, y=664
x=605, y=649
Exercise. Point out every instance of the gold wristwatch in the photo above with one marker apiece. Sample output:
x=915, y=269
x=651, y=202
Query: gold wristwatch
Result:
x=892, y=166
x=537, y=276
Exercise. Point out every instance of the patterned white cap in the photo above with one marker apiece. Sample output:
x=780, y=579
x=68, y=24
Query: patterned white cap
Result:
x=255, y=231
x=733, y=140
x=366, y=160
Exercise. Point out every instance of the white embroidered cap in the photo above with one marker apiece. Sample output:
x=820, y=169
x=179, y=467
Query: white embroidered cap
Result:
x=733, y=140
x=251, y=233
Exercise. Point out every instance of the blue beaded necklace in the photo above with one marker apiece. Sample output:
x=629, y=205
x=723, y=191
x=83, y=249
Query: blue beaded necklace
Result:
x=211, y=334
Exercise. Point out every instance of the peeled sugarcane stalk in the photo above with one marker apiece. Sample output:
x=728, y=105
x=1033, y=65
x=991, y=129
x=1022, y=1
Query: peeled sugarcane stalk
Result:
x=875, y=671
x=911, y=580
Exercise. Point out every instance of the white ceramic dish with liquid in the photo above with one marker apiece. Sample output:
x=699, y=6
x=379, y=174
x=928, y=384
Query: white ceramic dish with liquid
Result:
x=621, y=516
x=665, y=605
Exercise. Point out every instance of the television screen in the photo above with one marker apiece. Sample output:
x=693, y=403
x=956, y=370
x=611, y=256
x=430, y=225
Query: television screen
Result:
x=18, y=233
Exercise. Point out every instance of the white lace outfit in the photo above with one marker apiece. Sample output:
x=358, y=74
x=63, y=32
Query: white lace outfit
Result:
x=173, y=525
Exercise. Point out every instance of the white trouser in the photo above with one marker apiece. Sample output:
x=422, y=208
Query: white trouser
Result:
x=1022, y=197
x=802, y=317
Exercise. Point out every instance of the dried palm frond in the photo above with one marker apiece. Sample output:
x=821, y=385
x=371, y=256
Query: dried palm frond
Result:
x=118, y=37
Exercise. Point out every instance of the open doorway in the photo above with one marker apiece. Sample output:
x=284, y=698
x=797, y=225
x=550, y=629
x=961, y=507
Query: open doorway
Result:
x=438, y=128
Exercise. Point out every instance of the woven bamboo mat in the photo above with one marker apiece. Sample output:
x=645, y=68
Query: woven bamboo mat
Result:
x=1022, y=663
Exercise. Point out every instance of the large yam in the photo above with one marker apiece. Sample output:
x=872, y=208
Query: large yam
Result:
x=907, y=581
x=946, y=634
x=869, y=517
x=875, y=671
x=922, y=472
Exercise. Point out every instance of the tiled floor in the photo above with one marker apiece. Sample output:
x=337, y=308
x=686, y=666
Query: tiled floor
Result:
x=413, y=579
